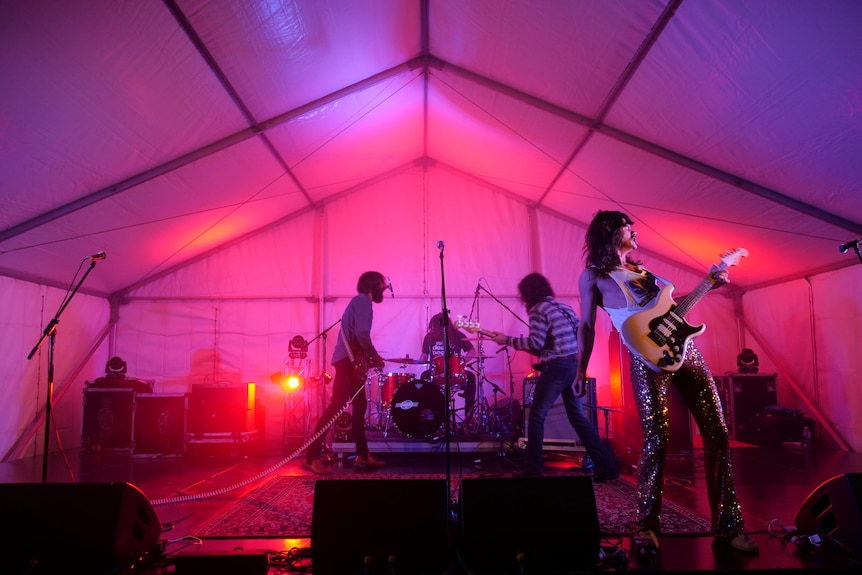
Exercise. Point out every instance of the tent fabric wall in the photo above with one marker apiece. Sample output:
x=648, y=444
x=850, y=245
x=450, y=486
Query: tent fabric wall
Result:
x=229, y=317
x=25, y=312
x=243, y=162
x=262, y=289
x=815, y=341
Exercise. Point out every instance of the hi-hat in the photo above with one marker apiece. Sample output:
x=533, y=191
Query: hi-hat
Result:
x=408, y=360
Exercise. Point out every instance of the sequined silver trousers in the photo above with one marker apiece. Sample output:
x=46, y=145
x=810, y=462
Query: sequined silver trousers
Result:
x=697, y=388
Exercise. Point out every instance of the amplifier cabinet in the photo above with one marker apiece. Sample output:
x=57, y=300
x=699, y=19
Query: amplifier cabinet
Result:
x=160, y=423
x=222, y=408
x=559, y=435
x=108, y=420
x=743, y=396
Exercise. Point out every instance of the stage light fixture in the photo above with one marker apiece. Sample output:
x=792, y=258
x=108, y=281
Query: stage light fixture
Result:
x=115, y=368
x=747, y=361
x=292, y=382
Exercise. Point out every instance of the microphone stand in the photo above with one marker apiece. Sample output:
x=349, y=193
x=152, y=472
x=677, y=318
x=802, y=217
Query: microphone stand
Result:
x=502, y=453
x=51, y=333
x=447, y=353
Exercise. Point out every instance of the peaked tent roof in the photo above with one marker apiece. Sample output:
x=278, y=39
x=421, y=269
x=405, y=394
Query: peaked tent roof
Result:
x=161, y=130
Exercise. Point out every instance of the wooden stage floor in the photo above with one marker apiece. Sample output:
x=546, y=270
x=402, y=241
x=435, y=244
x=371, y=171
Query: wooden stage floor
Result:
x=772, y=481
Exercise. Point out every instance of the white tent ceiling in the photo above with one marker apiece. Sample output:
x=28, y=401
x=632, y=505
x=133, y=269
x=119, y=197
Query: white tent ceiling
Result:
x=160, y=130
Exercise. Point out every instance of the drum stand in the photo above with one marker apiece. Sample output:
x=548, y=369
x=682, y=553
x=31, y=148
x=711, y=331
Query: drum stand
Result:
x=481, y=410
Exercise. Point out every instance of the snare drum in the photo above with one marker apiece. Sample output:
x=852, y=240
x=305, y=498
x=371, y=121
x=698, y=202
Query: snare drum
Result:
x=418, y=408
x=456, y=370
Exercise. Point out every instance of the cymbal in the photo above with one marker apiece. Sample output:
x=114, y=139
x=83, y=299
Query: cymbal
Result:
x=407, y=360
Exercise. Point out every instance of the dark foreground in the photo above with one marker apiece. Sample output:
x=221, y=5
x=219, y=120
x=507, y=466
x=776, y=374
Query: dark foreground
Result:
x=773, y=483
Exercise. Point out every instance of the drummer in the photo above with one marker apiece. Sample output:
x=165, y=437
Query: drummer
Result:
x=461, y=350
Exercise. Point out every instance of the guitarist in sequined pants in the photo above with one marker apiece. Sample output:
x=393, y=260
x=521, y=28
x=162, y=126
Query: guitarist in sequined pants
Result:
x=354, y=353
x=622, y=287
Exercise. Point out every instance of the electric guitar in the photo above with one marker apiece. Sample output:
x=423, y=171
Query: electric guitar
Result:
x=361, y=365
x=660, y=335
x=360, y=359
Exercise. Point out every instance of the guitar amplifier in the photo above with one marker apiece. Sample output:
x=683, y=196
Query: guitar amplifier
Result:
x=160, y=424
x=743, y=397
x=108, y=420
x=559, y=435
x=222, y=408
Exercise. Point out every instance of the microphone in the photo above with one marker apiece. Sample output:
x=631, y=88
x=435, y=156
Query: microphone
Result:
x=98, y=256
x=389, y=286
x=478, y=285
x=440, y=245
x=842, y=248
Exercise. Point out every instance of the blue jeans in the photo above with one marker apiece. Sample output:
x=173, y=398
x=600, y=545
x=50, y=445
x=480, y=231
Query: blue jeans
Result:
x=556, y=378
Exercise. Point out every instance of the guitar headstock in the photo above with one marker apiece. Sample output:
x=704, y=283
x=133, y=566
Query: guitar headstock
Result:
x=732, y=257
x=464, y=322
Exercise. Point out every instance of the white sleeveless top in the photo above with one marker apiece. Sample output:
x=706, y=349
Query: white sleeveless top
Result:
x=640, y=288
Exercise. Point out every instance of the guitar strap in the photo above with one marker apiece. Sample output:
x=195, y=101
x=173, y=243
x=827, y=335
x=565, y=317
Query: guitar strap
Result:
x=347, y=346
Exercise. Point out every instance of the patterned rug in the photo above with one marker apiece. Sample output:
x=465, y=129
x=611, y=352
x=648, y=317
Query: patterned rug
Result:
x=282, y=508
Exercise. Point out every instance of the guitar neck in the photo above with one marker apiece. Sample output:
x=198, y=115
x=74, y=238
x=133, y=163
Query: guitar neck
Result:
x=484, y=332
x=685, y=304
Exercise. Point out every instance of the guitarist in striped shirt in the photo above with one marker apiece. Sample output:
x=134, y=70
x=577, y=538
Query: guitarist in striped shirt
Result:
x=622, y=287
x=553, y=329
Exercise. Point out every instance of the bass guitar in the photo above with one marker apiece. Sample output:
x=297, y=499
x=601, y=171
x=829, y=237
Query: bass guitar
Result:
x=661, y=335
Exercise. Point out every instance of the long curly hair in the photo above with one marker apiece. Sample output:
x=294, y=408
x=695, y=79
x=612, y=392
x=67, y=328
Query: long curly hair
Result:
x=435, y=325
x=603, y=238
x=534, y=288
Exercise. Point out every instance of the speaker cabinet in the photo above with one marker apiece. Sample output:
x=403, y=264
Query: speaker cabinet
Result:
x=505, y=526
x=743, y=396
x=74, y=527
x=108, y=419
x=834, y=511
x=559, y=434
x=361, y=525
x=160, y=424
x=222, y=408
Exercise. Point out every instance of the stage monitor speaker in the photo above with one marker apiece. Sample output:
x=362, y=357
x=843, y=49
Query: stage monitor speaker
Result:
x=74, y=527
x=834, y=512
x=505, y=526
x=380, y=526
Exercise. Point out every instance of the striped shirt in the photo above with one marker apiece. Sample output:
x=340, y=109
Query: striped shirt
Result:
x=553, y=331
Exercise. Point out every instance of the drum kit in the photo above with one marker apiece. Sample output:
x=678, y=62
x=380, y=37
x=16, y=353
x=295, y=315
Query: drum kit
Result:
x=415, y=404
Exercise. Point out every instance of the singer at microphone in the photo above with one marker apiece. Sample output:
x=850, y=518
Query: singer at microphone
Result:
x=98, y=256
x=854, y=245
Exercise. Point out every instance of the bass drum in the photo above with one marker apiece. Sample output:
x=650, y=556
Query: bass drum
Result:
x=418, y=408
